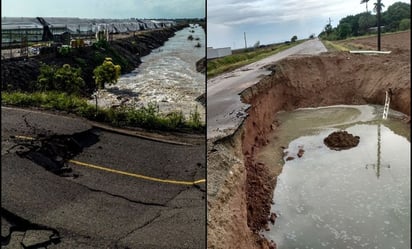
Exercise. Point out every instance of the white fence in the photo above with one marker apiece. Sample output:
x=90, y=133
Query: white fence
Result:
x=218, y=52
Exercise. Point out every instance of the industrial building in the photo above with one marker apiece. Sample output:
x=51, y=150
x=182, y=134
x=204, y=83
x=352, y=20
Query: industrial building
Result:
x=19, y=30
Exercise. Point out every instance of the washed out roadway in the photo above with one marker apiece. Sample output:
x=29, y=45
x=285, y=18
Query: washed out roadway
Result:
x=97, y=208
x=225, y=111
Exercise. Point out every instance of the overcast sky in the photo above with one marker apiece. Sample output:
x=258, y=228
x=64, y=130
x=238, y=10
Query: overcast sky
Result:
x=272, y=21
x=104, y=8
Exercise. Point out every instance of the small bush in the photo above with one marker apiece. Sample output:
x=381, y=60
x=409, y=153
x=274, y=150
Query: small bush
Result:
x=64, y=51
x=101, y=44
x=64, y=79
x=106, y=73
x=194, y=120
x=68, y=79
x=175, y=119
x=405, y=24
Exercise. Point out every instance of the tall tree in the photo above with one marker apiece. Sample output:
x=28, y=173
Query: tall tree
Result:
x=365, y=2
x=365, y=21
x=375, y=6
x=394, y=14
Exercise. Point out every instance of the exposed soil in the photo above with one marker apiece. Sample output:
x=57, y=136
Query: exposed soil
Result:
x=397, y=43
x=341, y=140
x=295, y=82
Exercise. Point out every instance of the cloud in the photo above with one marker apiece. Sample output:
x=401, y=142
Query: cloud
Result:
x=267, y=11
x=105, y=8
x=275, y=20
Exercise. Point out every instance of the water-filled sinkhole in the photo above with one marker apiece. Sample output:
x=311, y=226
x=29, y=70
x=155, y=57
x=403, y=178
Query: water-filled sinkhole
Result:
x=355, y=198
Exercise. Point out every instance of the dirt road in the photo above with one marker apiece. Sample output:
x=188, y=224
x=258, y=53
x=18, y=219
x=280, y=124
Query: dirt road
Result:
x=225, y=111
x=121, y=191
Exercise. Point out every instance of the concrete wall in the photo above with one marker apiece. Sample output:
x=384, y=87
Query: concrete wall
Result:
x=218, y=52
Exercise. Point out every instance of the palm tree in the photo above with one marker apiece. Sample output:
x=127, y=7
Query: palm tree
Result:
x=375, y=8
x=366, y=2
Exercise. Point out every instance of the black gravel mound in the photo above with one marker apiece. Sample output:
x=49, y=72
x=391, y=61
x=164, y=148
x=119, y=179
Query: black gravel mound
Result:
x=341, y=140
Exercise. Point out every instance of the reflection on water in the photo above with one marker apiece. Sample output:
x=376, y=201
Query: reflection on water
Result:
x=166, y=77
x=356, y=198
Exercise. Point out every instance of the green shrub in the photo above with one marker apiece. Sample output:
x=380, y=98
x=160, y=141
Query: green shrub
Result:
x=68, y=79
x=175, y=119
x=45, y=79
x=64, y=51
x=101, y=44
x=194, y=120
x=106, y=73
x=65, y=79
x=405, y=24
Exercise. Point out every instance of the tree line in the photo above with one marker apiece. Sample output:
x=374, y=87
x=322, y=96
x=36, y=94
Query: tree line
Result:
x=395, y=18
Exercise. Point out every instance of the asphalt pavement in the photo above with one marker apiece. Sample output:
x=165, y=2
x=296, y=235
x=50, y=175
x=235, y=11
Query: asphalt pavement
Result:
x=225, y=111
x=122, y=191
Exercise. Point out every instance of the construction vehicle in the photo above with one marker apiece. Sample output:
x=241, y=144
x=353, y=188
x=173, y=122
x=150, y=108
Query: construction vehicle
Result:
x=47, y=34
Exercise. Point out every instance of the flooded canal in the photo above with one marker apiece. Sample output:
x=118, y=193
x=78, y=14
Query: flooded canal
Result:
x=355, y=198
x=167, y=77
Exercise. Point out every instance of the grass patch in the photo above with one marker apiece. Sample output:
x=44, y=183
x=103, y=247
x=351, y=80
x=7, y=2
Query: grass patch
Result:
x=147, y=117
x=334, y=46
x=236, y=60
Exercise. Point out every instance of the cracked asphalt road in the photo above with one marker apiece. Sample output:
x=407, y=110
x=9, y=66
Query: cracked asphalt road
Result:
x=99, y=209
x=225, y=110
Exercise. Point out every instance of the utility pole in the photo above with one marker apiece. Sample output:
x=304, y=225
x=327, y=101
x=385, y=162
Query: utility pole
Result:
x=379, y=24
x=244, y=34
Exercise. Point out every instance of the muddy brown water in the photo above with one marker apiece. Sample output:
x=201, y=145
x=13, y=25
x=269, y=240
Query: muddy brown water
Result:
x=355, y=198
x=167, y=77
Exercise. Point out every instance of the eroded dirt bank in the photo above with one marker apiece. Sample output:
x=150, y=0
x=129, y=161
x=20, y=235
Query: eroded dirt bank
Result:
x=239, y=201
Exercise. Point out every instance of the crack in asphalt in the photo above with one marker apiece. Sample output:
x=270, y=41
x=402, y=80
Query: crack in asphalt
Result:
x=123, y=197
x=154, y=219
x=116, y=244
x=27, y=123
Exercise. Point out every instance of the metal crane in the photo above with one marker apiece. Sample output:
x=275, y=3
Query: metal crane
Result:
x=47, y=34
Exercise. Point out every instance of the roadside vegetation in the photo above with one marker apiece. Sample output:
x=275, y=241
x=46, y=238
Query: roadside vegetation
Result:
x=147, y=117
x=228, y=63
x=395, y=18
x=334, y=47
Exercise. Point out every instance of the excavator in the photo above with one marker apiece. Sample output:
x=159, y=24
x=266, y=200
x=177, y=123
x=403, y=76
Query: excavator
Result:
x=47, y=34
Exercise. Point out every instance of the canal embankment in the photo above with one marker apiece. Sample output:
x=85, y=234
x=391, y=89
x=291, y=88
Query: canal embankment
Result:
x=21, y=74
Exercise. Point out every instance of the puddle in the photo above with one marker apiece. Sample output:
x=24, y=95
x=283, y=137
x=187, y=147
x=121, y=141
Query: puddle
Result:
x=355, y=198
